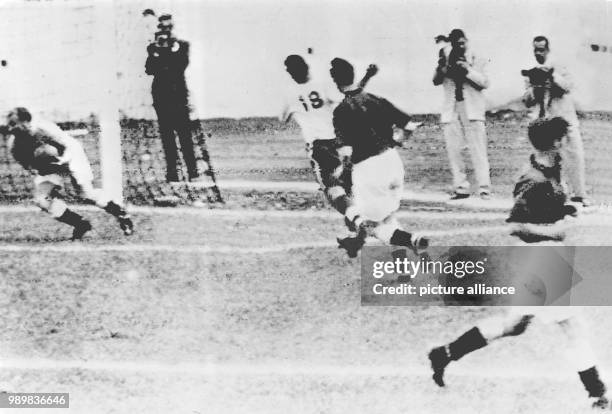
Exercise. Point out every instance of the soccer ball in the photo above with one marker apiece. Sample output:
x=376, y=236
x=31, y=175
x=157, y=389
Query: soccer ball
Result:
x=46, y=151
x=44, y=157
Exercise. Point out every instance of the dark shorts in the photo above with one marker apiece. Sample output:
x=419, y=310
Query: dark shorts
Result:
x=328, y=166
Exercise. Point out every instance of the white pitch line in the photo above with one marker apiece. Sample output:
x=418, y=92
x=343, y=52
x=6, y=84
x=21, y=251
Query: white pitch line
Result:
x=222, y=249
x=236, y=213
x=591, y=216
x=270, y=369
x=424, y=197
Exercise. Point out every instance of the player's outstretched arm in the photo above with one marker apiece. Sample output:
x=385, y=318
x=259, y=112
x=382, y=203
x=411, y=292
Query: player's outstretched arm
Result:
x=371, y=71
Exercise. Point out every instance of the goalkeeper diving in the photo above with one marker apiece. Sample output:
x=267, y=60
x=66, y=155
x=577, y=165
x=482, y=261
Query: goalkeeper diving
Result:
x=51, y=154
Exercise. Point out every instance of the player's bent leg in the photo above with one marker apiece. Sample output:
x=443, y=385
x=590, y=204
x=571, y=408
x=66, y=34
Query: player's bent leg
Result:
x=82, y=178
x=97, y=196
x=338, y=199
x=581, y=355
x=331, y=174
x=511, y=324
x=45, y=198
x=389, y=232
x=441, y=356
x=476, y=338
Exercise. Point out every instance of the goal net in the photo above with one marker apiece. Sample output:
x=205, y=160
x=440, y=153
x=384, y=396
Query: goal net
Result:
x=80, y=63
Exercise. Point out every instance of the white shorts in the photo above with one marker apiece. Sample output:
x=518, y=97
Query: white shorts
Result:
x=378, y=183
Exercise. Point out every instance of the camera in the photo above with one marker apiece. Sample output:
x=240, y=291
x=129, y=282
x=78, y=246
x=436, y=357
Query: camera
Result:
x=539, y=77
x=454, y=70
x=162, y=39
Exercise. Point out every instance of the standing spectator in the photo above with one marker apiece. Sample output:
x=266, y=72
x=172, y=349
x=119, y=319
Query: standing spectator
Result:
x=167, y=60
x=548, y=94
x=463, y=78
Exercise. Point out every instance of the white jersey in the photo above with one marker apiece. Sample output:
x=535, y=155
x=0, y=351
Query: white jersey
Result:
x=312, y=106
x=48, y=132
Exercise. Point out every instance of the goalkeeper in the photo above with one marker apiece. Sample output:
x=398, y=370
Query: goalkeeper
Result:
x=51, y=154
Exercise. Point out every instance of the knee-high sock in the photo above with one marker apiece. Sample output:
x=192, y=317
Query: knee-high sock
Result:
x=71, y=218
x=592, y=382
x=339, y=201
x=470, y=341
x=401, y=238
x=115, y=209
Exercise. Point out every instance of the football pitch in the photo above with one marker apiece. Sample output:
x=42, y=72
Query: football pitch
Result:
x=249, y=307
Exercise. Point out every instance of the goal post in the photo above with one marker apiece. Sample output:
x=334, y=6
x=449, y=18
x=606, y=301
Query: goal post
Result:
x=111, y=165
x=80, y=63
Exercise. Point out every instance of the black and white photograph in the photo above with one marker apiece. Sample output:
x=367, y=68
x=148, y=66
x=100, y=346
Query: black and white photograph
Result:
x=306, y=206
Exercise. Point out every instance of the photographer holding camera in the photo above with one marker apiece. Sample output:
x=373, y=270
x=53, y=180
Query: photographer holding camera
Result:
x=167, y=60
x=548, y=94
x=463, y=78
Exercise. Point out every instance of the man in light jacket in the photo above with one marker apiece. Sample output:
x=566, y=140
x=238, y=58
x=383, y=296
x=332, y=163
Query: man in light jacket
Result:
x=462, y=75
x=548, y=94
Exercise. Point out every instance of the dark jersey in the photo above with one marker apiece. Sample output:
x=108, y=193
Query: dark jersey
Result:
x=539, y=197
x=365, y=122
x=167, y=65
x=24, y=144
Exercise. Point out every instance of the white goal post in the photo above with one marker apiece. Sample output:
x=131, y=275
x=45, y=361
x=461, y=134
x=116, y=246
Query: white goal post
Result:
x=111, y=160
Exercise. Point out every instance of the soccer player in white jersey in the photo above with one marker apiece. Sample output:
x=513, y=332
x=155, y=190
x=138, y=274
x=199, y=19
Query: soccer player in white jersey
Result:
x=311, y=103
x=41, y=147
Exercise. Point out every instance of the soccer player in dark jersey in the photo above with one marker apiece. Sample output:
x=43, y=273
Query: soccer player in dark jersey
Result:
x=311, y=102
x=540, y=199
x=51, y=154
x=365, y=125
x=539, y=204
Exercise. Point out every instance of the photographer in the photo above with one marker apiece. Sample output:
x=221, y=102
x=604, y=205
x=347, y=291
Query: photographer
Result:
x=548, y=94
x=167, y=60
x=463, y=78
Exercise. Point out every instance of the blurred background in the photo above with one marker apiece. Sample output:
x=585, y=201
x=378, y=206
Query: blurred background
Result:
x=58, y=53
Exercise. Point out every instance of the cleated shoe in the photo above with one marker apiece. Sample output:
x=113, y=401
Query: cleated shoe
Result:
x=80, y=229
x=352, y=245
x=125, y=222
x=459, y=196
x=439, y=360
x=602, y=403
x=419, y=243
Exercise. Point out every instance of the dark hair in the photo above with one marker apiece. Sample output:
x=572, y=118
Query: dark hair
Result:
x=542, y=39
x=455, y=35
x=294, y=61
x=545, y=132
x=342, y=72
x=23, y=115
x=297, y=67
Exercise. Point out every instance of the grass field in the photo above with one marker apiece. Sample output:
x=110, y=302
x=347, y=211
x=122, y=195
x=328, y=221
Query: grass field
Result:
x=250, y=307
